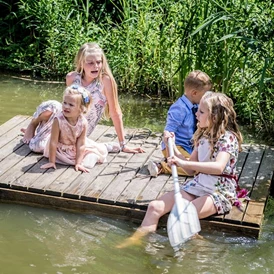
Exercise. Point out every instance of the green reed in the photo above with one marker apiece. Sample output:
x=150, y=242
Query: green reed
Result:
x=151, y=45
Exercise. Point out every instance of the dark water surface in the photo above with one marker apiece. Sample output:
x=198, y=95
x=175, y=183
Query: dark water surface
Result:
x=36, y=240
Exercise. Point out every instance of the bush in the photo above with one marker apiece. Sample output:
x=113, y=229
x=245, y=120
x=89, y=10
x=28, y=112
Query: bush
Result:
x=152, y=45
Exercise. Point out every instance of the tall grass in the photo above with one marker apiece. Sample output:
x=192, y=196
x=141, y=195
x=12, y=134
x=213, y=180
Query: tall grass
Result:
x=151, y=45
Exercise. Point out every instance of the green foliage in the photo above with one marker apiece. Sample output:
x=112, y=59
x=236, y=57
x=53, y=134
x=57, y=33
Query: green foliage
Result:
x=269, y=209
x=152, y=44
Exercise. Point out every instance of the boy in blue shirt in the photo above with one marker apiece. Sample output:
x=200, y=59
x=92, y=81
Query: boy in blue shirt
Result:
x=181, y=120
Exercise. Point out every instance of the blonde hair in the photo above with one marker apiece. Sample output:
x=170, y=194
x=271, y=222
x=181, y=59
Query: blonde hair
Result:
x=92, y=49
x=198, y=80
x=84, y=99
x=221, y=118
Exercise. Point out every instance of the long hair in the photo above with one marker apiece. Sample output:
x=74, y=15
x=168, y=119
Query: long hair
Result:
x=91, y=49
x=221, y=118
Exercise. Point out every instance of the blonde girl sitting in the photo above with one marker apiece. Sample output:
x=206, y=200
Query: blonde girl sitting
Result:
x=92, y=72
x=68, y=143
x=217, y=143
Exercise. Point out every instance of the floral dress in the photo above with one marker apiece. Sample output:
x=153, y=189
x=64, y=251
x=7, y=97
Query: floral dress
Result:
x=222, y=189
x=43, y=131
x=99, y=102
x=96, y=110
x=68, y=135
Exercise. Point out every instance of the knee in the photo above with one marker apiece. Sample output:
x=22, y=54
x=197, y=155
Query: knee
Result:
x=156, y=207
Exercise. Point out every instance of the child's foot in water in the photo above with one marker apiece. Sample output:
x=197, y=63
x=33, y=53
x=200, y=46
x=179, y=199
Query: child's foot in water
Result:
x=135, y=239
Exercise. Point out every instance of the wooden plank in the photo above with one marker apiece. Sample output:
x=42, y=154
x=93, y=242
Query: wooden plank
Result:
x=119, y=183
x=102, y=181
x=16, y=121
x=141, y=182
x=265, y=174
x=152, y=190
x=247, y=179
x=98, y=132
x=72, y=205
x=82, y=182
x=122, y=213
x=11, y=147
x=62, y=182
x=113, y=190
x=46, y=178
x=18, y=169
x=14, y=132
x=169, y=186
x=250, y=170
x=149, y=145
x=139, y=136
x=31, y=175
x=109, y=135
x=129, y=194
x=242, y=160
x=260, y=191
x=9, y=164
x=212, y=225
x=83, y=185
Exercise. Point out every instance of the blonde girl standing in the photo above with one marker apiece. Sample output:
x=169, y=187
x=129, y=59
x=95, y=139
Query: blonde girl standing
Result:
x=217, y=143
x=68, y=143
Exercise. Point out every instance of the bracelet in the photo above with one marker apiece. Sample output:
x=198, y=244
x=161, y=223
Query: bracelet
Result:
x=122, y=145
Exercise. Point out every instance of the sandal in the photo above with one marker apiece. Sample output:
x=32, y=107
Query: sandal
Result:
x=154, y=168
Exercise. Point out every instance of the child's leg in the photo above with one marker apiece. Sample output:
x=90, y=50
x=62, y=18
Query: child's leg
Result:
x=29, y=132
x=90, y=160
x=156, y=209
x=166, y=169
x=204, y=205
x=159, y=168
x=38, y=131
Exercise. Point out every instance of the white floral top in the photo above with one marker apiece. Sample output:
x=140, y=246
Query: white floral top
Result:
x=222, y=189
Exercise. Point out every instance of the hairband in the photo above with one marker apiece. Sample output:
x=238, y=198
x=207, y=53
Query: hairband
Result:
x=82, y=91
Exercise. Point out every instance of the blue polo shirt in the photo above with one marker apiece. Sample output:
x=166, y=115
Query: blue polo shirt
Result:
x=181, y=121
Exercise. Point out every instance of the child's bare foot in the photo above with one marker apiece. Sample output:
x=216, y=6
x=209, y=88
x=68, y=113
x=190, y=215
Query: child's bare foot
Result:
x=28, y=133
x=135, y=239
x=197, y=236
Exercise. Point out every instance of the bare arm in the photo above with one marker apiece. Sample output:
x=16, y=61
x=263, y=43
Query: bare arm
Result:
x=177, y=153
x=114, y=108
x=53, y=145
x=80, y=150
x=116, y=114
x=70, y=78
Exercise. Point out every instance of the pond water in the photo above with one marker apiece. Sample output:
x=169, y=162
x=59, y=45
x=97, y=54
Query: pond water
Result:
x=37, y=240
x=18, y=96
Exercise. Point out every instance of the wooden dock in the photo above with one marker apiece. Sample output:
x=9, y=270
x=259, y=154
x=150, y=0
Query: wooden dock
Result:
x=122, y=187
